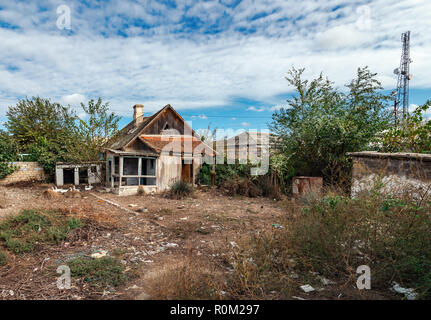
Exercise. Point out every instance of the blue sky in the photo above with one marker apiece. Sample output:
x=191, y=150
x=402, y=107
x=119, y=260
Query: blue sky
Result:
x=218, y=62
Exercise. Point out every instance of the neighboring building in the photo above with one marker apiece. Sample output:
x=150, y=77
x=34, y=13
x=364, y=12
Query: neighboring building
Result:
x=153, y=152
x=248, y=145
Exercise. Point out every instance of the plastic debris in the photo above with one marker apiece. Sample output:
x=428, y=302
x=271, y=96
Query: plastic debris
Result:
x=277, y=226
x=99, y=254
x=171, y=245
x=307, y=288
x=407, y=292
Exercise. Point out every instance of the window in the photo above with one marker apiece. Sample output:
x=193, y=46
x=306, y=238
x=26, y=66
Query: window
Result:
x=148, y=167
x=116, y=165
x=133, y=177
x=149, y=170
x=130, y=166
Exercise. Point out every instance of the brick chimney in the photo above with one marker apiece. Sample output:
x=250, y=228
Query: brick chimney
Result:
x=138, y=113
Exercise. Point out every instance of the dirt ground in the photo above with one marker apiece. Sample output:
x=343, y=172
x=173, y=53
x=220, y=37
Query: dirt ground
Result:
x=148, y=232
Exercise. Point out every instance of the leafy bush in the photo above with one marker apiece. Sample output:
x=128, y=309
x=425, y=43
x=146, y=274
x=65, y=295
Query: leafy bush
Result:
x=47, y=154
x=21, y=233
x=102, y=272
x=322, y=123
x=180, y=189
x=413, y=135
x=337, y=234
x=8, y=153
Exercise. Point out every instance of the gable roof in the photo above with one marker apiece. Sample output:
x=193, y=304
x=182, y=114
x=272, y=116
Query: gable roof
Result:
x=131, y=132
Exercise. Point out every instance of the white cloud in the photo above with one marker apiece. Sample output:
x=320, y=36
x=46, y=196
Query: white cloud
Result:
x=73, y=99
x=245, y=124
x=161, y=63
x=256, y=109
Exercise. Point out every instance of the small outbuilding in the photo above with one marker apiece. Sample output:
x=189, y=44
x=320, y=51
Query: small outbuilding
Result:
x=153, y=152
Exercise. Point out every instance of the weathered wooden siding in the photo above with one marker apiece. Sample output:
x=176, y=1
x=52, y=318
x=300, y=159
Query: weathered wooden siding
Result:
x=167, y=117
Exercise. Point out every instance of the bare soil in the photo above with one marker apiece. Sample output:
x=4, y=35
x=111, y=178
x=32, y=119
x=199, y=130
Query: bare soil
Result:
x=147, y=232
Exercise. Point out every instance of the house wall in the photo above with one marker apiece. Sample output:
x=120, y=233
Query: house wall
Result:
x=168, y=170
x=399, y=173
x=27, y=171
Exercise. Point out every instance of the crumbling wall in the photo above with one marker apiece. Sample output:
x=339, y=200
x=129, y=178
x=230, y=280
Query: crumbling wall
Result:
x=27, y=171
x=395, y=173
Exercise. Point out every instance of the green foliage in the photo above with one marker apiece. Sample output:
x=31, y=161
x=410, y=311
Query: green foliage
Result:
x=336, y=234
x=180, y=189
x=47, y=153
x=102, y=272
x=20, y=233
x=414, y=134
x=32, y=119
x=52, y=133
x=321, y=123
x=8, y=153
x=204, y=175
x=92, y=132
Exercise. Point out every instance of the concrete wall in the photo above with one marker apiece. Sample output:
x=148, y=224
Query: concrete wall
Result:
x=27, y=171
x=399, y=173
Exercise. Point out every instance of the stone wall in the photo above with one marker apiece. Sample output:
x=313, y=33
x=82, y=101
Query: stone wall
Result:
x=397, y=173
x=27, y=171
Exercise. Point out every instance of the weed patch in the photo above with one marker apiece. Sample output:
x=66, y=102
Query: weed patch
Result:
x=180, y=189
x=23, y=232
x=103, y=272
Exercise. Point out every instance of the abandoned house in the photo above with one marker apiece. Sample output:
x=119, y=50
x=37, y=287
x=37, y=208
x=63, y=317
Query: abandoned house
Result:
x=153, y=152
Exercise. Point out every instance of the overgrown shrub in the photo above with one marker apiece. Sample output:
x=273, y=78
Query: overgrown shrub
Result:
x=180, y=189
x=322, y=123
x=8, y=153
x=333, y=235
x=241, y=186
x=412, y=135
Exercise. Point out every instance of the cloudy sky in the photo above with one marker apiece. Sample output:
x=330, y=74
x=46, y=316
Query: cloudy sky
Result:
x=219, y=62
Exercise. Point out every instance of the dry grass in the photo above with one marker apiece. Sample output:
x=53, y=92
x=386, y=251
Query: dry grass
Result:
x=190, y=279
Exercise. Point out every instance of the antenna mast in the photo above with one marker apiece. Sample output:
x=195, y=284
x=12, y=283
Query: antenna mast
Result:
x=404, y=76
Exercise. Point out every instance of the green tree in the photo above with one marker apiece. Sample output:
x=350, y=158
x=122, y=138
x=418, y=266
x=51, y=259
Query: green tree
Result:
x=35, y=118
x=414, y=134
x=8, y=153
x=92, y=132
x=322, y=123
